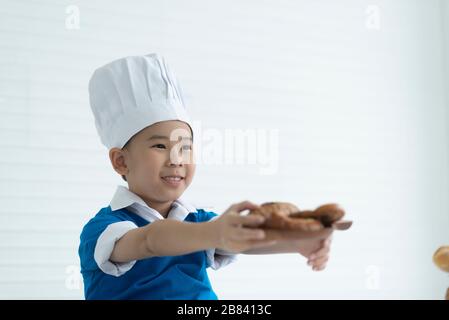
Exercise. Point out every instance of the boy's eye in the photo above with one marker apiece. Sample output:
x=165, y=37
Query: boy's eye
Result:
x=187, y=147
x=159, y=145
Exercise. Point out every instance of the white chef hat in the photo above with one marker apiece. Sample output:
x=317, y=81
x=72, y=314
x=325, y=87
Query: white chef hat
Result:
x=132, y=93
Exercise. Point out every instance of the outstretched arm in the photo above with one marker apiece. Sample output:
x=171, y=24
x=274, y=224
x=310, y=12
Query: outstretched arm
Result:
x=316, y=251
x=170, y=237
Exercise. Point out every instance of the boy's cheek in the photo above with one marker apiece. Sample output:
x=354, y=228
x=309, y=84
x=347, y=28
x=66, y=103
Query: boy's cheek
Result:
x=190, y=174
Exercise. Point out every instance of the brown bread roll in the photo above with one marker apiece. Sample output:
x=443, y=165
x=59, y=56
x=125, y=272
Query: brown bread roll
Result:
x=284, y=215
x=441, y=258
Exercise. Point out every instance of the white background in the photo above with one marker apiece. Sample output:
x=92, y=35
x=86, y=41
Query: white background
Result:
x=358, y=92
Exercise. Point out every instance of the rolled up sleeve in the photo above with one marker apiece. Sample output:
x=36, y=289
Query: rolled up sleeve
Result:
x=105, y=245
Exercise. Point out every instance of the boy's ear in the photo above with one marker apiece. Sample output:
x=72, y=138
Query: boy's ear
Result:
x=117, y=157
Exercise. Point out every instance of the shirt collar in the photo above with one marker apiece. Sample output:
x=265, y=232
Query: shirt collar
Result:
x=124, y=198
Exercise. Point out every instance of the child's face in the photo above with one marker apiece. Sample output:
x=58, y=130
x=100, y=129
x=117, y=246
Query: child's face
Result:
x=160, y=151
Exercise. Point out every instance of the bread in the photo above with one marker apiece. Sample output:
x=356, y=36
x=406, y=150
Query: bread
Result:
x=441, y=258
x=326, y=214
x=284, y=215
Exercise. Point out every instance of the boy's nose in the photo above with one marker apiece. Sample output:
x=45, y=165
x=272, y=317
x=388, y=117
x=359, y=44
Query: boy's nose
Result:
x=175, y=159
x=175, y=163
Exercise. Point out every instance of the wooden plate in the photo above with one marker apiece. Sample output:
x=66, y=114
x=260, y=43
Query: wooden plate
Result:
x=277, y=234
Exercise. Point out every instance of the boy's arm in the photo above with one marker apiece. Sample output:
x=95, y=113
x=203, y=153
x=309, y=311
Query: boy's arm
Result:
x=163, y=238
x=171, y=237
x=304, y=245
x=278, y=247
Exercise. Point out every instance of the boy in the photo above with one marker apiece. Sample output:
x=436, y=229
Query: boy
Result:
x=149, y=243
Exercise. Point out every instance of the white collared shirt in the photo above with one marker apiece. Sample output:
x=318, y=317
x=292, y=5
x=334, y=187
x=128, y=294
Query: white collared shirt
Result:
x=124, y=198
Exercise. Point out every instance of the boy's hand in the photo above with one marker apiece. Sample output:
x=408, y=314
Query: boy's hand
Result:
x=317, y=259
x=230, y=232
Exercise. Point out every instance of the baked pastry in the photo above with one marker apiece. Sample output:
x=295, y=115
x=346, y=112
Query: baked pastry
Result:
x=441, y=258
x=327, y=214
x=284, y=215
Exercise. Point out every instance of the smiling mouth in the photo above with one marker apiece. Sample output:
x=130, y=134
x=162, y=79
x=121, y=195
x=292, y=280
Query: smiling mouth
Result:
x=173, y=178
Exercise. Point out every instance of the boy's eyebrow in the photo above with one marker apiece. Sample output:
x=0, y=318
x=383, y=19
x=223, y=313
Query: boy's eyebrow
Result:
x=154, y=137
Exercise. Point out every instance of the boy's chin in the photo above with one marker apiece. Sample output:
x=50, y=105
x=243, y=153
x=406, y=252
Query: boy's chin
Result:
x=172, y=194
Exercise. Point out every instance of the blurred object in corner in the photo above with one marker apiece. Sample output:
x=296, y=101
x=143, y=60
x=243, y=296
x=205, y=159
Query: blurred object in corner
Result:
x=441, y=259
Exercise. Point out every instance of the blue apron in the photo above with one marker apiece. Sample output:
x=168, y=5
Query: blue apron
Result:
x=181, y=277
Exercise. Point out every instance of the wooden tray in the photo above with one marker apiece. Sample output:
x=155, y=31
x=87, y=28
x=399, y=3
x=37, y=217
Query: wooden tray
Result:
x=289, y=241
x=280, y=235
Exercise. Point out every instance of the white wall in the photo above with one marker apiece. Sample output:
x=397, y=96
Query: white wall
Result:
x=445, y=24
x=355, y=89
